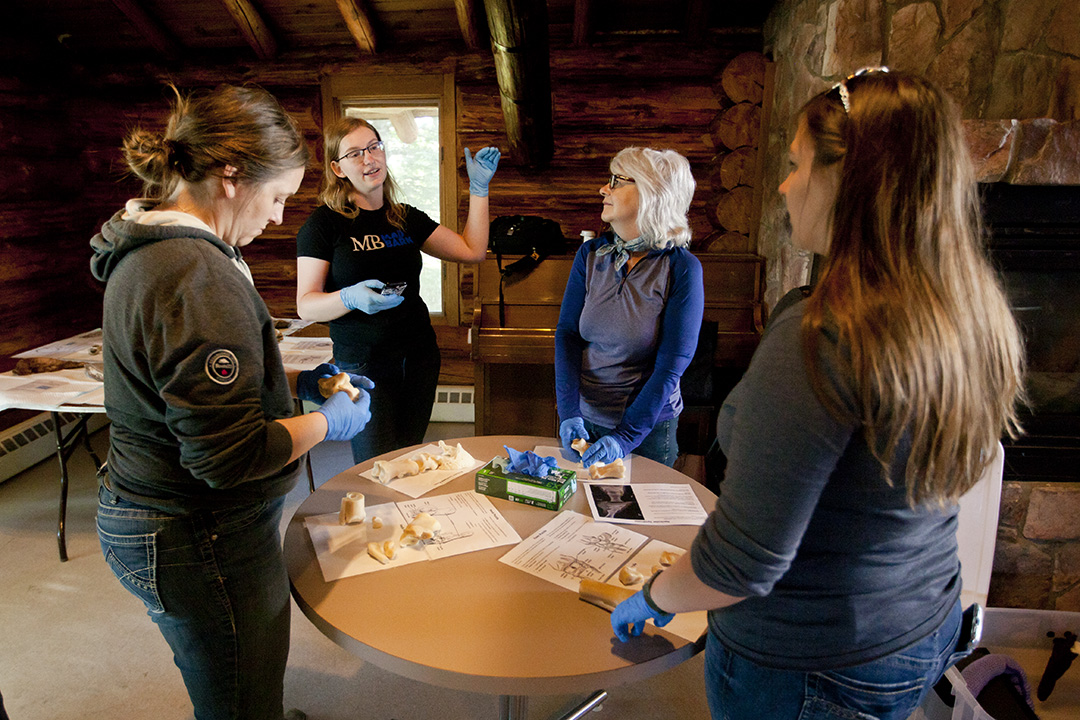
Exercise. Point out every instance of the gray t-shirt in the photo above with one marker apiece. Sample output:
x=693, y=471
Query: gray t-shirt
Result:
x=836, y=569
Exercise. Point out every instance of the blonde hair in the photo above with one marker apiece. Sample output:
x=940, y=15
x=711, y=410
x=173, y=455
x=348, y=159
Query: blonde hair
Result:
x=936, y=354
x=336, y=190
x=665, y=190
x=244, y=127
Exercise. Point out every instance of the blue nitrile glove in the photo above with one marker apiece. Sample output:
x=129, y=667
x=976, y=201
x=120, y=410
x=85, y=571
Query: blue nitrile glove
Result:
x=307, y=382
x=529, y=463
x=365, y=297
x=605, y=450
x=345, y=418
x=570, y=430
x=481, y=169
x=628, y=618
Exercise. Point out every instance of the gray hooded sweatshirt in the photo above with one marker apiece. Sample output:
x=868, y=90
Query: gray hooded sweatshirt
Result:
x=193, y=373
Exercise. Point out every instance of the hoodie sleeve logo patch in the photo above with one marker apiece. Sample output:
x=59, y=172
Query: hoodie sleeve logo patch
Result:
x=222, y=367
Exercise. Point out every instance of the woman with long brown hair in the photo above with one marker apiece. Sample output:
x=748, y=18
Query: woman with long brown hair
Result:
x=829, y=565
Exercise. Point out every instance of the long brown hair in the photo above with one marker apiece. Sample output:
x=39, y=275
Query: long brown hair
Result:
x=935, y=351
x=244, y=127
x=335, y=190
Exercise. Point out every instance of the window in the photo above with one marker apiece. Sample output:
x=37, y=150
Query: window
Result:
x=415, y=117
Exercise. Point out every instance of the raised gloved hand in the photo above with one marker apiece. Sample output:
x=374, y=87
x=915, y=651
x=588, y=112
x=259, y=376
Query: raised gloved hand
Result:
x=605, y=450
x=307, y=382
x=628, y=618
x=345, y=418
x=365, y=297
x=481, y=169
x=570, y=430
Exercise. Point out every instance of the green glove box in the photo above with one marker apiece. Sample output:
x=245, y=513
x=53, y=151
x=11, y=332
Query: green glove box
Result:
x=550, y=492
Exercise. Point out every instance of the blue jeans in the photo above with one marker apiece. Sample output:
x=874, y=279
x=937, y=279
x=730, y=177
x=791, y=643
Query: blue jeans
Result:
x=405, y=384
x=889, y=688
x=660, y=444
x=215, y=583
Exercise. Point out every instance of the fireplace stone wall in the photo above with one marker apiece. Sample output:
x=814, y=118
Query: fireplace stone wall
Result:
x=1014, y=68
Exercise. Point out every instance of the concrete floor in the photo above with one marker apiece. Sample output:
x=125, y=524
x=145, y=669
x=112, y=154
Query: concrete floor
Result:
x=76, y=645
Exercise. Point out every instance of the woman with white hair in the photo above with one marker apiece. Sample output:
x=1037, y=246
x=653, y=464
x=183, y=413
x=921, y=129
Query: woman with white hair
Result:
x=630, y=315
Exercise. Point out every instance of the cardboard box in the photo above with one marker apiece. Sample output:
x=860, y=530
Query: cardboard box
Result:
x=549, y=492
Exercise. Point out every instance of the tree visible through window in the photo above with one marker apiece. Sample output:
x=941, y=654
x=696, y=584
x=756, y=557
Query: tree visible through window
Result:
x=411, y=134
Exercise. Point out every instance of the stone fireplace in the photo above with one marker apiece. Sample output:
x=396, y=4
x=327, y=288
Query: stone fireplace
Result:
x=999, y=59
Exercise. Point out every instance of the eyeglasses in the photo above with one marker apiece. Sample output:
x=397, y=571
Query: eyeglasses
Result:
x=845, y=97
x=618, y=180
x=358, y=153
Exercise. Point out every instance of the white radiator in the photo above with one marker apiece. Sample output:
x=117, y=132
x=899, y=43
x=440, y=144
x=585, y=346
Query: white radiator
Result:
x=24, y=445
x=453, y=403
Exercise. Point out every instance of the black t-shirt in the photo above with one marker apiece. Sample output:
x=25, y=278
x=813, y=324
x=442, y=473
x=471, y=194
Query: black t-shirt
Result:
x=367, y=247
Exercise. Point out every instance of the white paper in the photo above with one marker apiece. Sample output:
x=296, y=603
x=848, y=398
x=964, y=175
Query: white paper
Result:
x=469, y=522
x=644, y=503
x=73, y=348
x=568, y=463
x=294, y=325
x=416, y=485
x=572, y=547
x=305, y=353
x=50, y=391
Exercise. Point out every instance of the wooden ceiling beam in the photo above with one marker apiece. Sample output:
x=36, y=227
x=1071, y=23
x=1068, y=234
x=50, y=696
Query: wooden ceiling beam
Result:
x=582, y=28
x=158, y=37
x=519, y=43
x=358, y=20
x=697, y=20
x=253, y=27
x=471, y=23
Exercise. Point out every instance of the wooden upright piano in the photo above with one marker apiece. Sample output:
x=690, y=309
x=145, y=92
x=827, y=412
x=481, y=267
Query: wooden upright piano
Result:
x=514, y=356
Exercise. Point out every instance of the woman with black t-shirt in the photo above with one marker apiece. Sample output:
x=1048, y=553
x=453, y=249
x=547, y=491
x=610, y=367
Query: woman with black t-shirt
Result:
x=354, y=253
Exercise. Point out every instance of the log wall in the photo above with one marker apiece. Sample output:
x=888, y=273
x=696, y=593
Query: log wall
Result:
x=61, y=127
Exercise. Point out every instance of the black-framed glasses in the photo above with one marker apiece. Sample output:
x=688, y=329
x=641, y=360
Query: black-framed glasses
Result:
x=618, y=180
x=358, y=153
x=845, y=97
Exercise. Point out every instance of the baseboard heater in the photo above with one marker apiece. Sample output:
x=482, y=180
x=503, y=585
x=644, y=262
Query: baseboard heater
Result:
x=453, y=403
x=24, y=445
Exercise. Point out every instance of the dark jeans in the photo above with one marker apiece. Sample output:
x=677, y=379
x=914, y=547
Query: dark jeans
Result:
x=889, y=688
x=215, y=583
x=404, y=394
x=660, y=444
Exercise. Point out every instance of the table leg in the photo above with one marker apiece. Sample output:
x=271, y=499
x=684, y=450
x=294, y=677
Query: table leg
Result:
x=513, y=707
x=590, y=703
x=65, y=445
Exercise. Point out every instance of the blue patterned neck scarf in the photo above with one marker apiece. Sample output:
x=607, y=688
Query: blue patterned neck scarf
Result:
x=622, y=249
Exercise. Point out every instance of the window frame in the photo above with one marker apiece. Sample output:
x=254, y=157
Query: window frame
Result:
x=435, y=89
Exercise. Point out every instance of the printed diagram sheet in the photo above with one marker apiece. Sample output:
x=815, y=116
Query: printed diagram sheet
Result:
x=416, y=485
x=304, y=353
x=49, y=391
x=85, y=347
x=572, y=547
x=566, y=463
x=468, y=520
x=644, y=503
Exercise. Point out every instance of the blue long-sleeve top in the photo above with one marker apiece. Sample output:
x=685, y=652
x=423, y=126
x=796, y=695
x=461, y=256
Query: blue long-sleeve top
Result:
x=625, y=337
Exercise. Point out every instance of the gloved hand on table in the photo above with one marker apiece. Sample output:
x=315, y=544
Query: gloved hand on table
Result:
x=605, y=450
x=365, y=297
x=345, y=418
x=570, y=430
x=628, y=618
x=481, y=169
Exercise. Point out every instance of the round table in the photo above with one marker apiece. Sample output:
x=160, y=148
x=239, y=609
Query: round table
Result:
x=470, y=622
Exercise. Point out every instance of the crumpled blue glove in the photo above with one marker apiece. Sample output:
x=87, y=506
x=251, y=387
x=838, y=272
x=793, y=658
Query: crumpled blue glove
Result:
x=481, y=169
x=345, y=418
x=307, y=382
x=605, y=450
x=570, y=430
x=365, y=297
x=529, y=463
x=628, y=618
